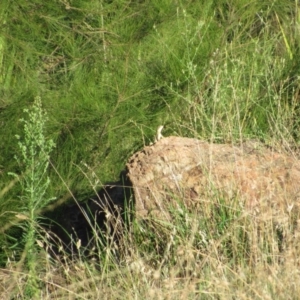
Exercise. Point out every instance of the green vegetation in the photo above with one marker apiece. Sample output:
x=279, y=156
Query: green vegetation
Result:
x=34, y=182
x=108, y=73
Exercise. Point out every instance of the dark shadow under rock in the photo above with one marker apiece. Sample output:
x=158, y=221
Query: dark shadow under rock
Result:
x=79, y=226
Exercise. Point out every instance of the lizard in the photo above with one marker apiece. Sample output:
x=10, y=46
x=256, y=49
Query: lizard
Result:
x=158, y=136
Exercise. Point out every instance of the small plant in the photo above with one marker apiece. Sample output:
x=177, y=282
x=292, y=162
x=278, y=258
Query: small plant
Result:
x=34, y=158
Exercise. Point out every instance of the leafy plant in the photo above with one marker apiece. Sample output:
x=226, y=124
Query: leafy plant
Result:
x=34, y=159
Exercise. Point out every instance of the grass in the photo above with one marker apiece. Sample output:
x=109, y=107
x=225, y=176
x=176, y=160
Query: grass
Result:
x=224, y=254
x=108, y=74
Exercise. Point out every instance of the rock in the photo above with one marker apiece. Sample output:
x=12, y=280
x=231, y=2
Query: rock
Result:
x=177, y=170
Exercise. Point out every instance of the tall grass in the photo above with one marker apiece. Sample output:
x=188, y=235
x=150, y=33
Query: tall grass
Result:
x=110, y=72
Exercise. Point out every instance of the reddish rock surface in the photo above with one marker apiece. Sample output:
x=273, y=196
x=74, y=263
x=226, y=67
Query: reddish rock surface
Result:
x=178, y=170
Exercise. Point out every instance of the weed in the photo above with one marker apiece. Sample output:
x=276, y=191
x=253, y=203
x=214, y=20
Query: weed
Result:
x=34, y=159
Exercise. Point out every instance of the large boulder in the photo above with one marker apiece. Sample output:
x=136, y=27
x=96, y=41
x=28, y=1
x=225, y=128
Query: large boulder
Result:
x=178, y=171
